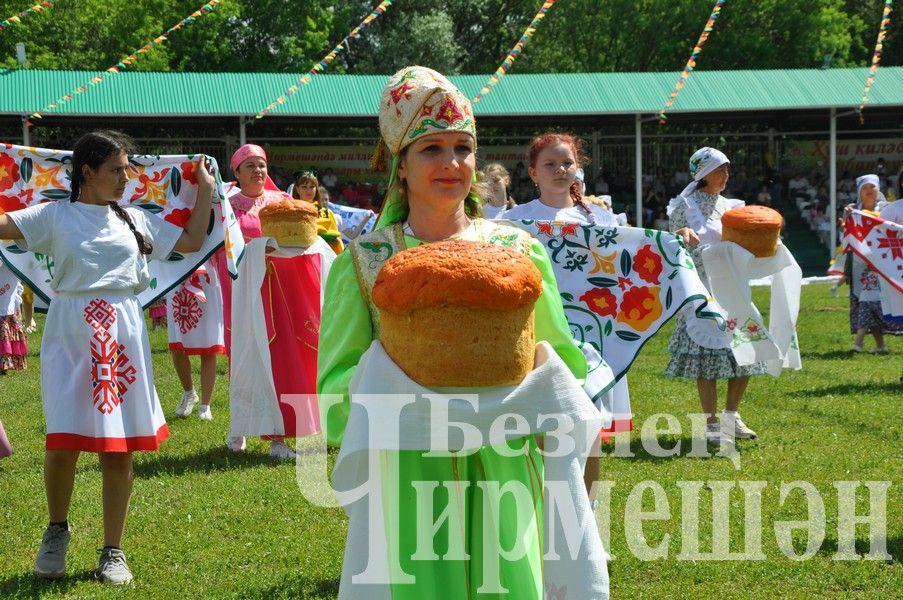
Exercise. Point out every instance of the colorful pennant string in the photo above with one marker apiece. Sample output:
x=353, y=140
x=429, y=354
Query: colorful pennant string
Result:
x=691, y=62
x=876, y=57
x=130, y=59
x=516, y=51
x=17, y=19
x=323, y=64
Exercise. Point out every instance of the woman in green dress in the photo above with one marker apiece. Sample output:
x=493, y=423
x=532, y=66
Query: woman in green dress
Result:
x=428, y=131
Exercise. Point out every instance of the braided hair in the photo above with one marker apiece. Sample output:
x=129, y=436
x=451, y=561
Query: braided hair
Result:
x=93, y=149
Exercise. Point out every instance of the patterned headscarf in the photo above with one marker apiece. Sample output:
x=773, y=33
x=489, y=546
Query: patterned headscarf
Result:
x=417, y=101
x=704, y=161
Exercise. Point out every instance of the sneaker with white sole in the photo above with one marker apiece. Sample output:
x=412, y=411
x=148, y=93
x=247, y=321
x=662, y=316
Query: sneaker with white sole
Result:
x=236, y=444
x=204, y=413
x=51, y=559
x=282, y=452
x=189, y=399
x=712, y=433
x=734, y=427
x=112, y=568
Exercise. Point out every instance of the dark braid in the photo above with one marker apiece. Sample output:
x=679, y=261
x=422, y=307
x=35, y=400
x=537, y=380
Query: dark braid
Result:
x=144, y=247
x=93, y=149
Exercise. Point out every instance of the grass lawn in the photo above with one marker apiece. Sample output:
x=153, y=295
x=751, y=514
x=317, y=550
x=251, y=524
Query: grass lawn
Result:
x=208, y=523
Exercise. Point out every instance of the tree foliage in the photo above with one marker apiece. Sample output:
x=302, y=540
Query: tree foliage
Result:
x=453, y=36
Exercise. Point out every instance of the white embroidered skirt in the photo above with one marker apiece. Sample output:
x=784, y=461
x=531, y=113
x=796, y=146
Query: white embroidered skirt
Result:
x=195, y=323
x=97, y=379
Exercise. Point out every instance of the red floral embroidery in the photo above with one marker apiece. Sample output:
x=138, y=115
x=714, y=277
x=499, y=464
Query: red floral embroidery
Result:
x=189, y=172
x=111, y=373
x=648, y=264
x=601, y=301
x=640, y=308
x=449, y=112
x=624, y=283
x=545, y=229
x=9, y=172
x=893, y=243
x=9, y=204
x=179, y=216
x=569, y=229
x=186, y=310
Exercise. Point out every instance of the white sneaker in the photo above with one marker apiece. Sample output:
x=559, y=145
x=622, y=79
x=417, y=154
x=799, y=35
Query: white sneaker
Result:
x=51, y=559
x=189, y=399
x=236, y=444
x=712, y=433
x=281, y=451
x=734, y=427
x=32, y=327
x=205, y=414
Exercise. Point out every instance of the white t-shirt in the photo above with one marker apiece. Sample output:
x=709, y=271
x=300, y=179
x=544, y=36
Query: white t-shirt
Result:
x=492, y=212
x=893, y=211
x=538, y=211
x=92, y=248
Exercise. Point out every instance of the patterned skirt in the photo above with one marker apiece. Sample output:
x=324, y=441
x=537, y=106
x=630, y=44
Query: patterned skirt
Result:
x=13, y=348
x=689, y=359
x=868, y=316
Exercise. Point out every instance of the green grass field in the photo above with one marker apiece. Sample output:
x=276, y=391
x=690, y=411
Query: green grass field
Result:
x=208, y=523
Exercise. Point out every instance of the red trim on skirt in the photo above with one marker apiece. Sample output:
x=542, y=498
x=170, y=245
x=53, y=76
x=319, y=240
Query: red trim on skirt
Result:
x=617, y=426
x=84, y=443
x=197, y=351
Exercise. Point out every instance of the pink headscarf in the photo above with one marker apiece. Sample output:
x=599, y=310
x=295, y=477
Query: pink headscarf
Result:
x=244, y=153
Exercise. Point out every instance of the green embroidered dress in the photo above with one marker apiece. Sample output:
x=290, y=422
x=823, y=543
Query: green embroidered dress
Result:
x=349, y=325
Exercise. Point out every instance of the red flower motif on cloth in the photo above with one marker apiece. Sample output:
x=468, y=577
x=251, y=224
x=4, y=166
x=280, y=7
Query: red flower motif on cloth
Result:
x=640, y=308
x=601, y=301
x=648, y=264
x=10, y=203
x=624, y=282
x=545, y=229
x=869, y=281
x=9, y=172
x=427, y=110
x=752, y=327
x=893, y=243
x=178, y=217
x=449, y=112
x=189, y=172
x=186, y=310
x=859, y=230
x=111, y=373
x=731, y=324
x=569, y=229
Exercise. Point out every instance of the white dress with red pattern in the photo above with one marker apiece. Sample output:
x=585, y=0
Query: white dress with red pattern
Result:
x=97, y=377
x=195, y=323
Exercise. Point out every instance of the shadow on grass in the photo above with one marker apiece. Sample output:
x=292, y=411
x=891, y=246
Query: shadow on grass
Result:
x=209, y=461
x=894, y=548
x=654, y=450
x=29, y=585
x=828, y=354
x=853, y=389
x=300, y=587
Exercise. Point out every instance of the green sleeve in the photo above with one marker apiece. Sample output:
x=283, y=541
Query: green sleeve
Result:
x=346, y=332
x=551, y=324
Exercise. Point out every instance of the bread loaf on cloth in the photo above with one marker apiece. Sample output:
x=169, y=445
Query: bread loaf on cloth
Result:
x=755, y=228
x=458, y=313
x=292, y=222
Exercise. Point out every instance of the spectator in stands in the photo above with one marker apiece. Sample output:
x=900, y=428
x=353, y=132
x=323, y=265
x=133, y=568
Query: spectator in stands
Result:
x=329, y=180
x=602, y=187
x=880, y=168
x=819, y=175
x=764, y=196
x=798, y=187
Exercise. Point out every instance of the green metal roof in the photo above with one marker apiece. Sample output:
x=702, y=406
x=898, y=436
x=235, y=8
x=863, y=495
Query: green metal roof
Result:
x=24, y=91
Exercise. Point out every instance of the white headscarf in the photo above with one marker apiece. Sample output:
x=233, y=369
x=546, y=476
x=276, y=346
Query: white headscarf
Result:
x=873, y=179
x=704, y=161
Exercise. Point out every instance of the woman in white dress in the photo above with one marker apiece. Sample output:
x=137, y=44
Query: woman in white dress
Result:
x=96, y=371
x=195, y=327
x=554, y=160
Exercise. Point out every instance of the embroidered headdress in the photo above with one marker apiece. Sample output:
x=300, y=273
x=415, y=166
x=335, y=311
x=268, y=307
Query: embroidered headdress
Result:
x=416, y=101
